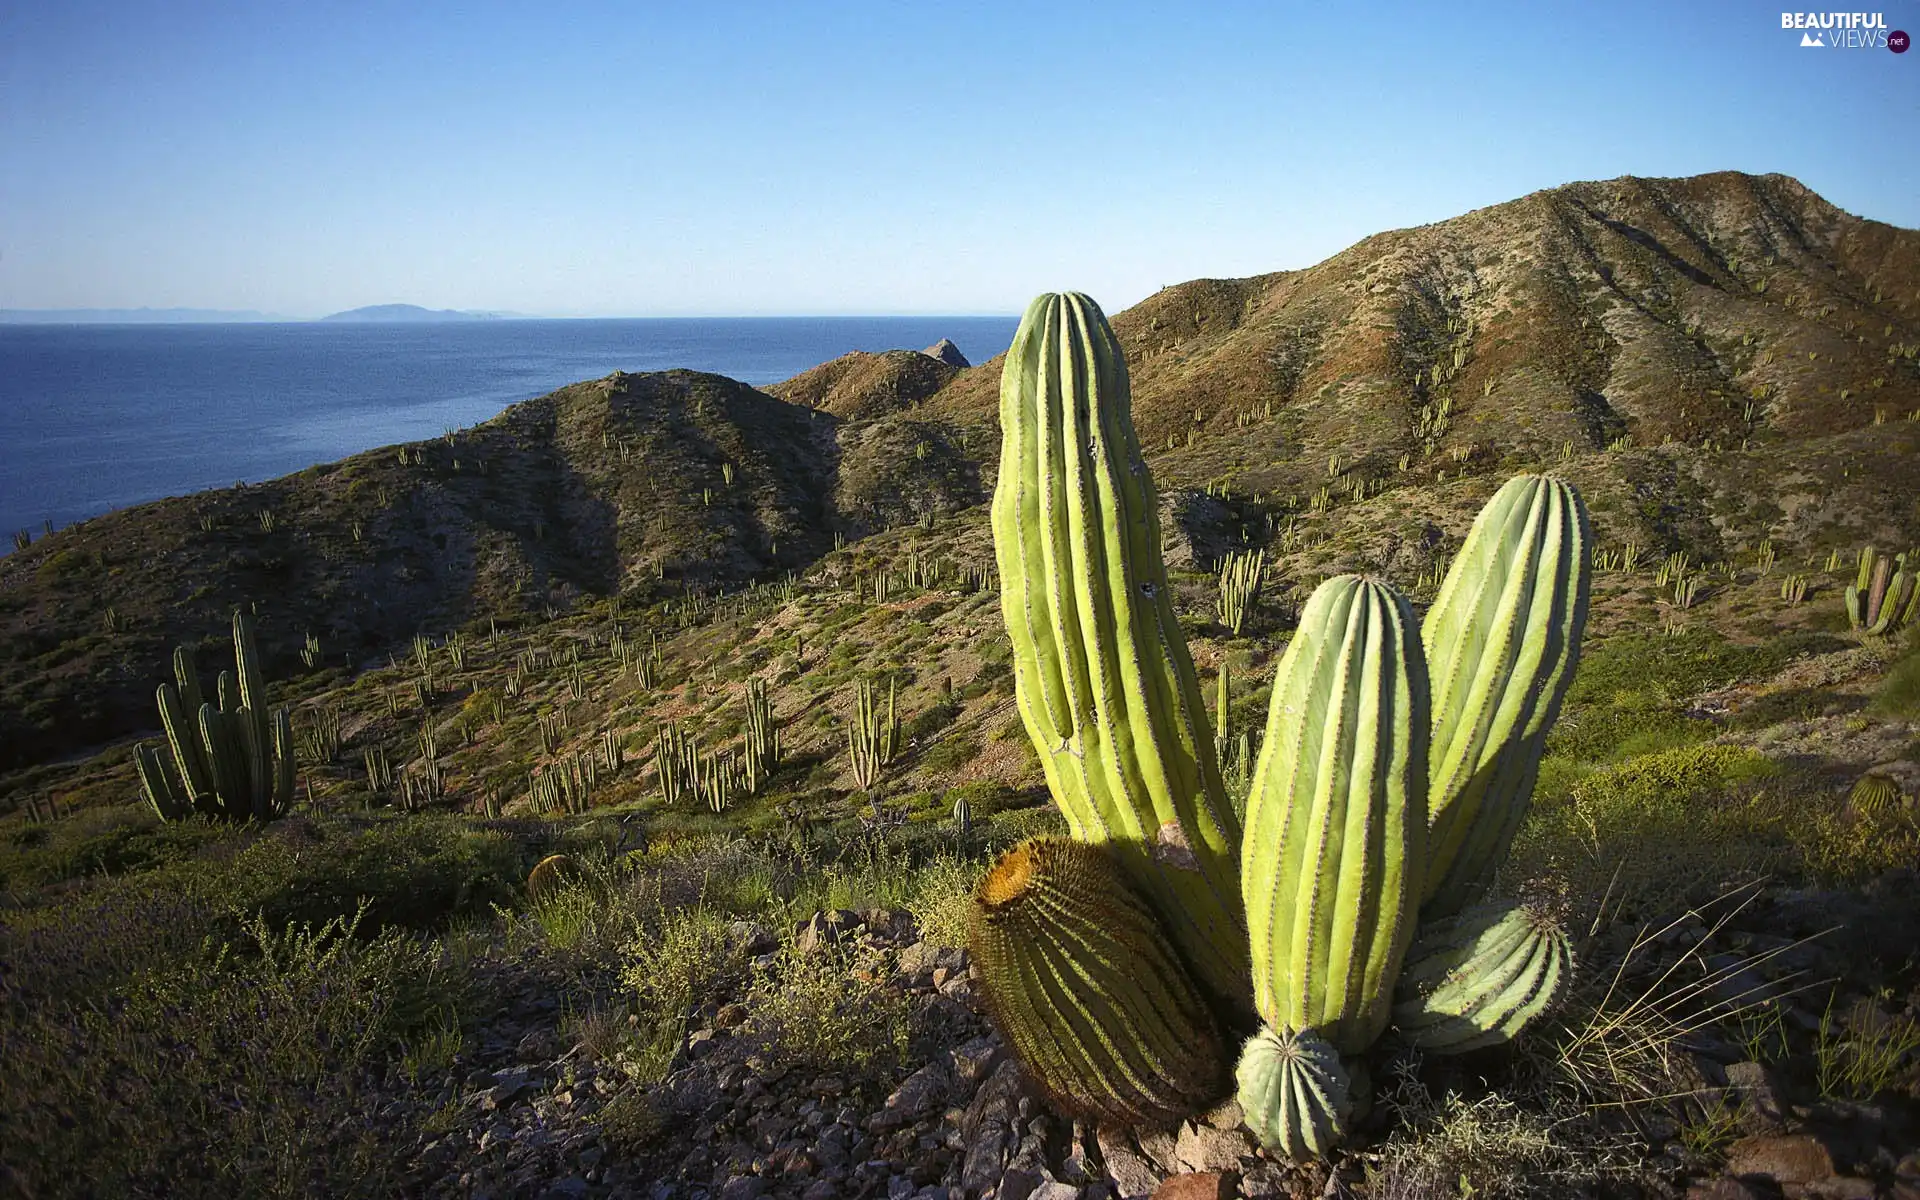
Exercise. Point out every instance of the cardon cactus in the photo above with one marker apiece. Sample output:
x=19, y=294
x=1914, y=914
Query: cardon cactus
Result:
x=1885, y=597
x=1502, y=641
x=1076, y=970
x=233, y=761
x=1102, y=677
x=1474, y=980
x=1337, y=819
x=1397, y=763
x=1293, y=1092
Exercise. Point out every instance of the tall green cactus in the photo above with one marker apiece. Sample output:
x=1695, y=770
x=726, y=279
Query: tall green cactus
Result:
x=233, y=761
x=1502, y=641
x=1337, y=821
x=1397, y=760
x=1102, y=676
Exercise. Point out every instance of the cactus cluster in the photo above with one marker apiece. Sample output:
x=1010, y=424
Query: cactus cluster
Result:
x=232, y=760
x=1398, y=760
x=873, y=737
x=1884, y=596
x=1240, y=588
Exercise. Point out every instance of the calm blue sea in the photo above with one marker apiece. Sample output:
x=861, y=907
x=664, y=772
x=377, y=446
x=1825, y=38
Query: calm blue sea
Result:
x=96, y=417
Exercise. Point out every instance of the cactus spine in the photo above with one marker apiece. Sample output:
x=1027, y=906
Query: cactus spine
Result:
x=233, y=761
x=1474, y=980
x=1502, y=641
x=1103, y=680
x=1337, y=822
x=1077, y=972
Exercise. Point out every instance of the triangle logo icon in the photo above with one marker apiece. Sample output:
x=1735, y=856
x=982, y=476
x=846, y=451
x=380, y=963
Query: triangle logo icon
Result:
x=1811, y=39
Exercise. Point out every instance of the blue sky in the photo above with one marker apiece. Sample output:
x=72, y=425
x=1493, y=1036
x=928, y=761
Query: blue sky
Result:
x=640, y=159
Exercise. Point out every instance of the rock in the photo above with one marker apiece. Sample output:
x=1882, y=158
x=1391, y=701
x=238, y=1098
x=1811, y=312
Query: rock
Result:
x=1198, y=1185
x=1761, y=1110
x=1134, y=1178
x=975, y=1060
x=1786, y=1159
x=917, y=958
x=730, y=1016
x=922, y=1092
x=1842, y=1187
x=1204, y=1148
x=743, y=1187
x=1725, y=1189
x=947, y=352
x=959, y=989
x=1161, y=1149
x=572, y=1188
x=1226, y=1115
x=989, y=1129
x=1013, y=1185
x=821, y=1189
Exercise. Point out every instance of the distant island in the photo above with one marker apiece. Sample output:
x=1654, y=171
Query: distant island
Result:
x=410, y=312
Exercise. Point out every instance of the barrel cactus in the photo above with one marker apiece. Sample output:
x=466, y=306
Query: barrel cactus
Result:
x=548, y=874
x=233, y=760
x=1293, y=1091
x=1502, y=641
x=1077, y=973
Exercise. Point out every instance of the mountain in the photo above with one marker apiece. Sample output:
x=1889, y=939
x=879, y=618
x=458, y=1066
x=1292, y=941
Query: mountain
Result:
x=1716, y=361
x=134, y=316
x=401, y=313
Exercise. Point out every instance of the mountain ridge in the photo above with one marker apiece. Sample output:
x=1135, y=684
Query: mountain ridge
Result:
x=1705, y=356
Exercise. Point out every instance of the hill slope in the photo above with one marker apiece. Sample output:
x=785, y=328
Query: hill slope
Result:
x=1707, y=357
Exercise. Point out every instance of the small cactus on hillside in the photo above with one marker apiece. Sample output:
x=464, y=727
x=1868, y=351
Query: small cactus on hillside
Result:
x=233, y=760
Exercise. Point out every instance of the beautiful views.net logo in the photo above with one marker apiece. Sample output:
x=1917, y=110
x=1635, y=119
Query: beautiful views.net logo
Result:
x=1846, y=31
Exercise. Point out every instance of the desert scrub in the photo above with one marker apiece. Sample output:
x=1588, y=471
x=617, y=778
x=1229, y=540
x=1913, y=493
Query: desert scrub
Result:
x=941, y=897
x=1899, y=692
x=1656, y=830
x=818, y=1010
x=240, y=1069
x=100, y=841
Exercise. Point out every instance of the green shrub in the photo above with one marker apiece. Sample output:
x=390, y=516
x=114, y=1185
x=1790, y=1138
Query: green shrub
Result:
x=227, y=1072
x=1899, y=692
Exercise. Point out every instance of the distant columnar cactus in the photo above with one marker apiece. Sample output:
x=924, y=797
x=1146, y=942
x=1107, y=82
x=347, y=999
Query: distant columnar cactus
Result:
x=233, y=761
x=1885, y=596
x=1102, y=676
x=1077, y=972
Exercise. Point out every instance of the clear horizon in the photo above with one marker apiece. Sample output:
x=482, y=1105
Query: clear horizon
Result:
x=859, y=159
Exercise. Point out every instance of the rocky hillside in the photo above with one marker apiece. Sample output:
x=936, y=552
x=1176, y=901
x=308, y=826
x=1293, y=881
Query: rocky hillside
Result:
x=1698, y=354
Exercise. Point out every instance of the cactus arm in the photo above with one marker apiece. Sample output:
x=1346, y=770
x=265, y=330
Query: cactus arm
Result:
x=183, y=739
x=1336, y=821
x=159, y=787
x=1502, y=642
x=282, y=798
x=1103, y=680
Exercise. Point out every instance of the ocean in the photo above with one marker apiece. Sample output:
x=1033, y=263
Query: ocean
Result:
x=97, y=417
